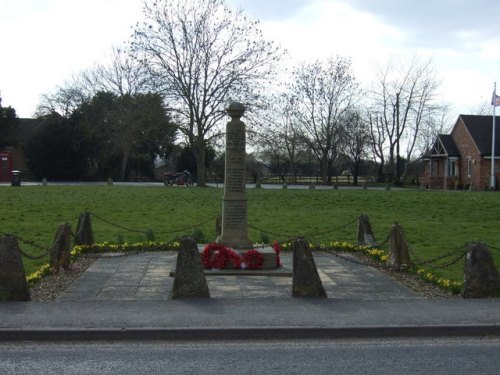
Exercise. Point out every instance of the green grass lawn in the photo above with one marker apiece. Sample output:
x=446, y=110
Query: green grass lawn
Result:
x=435, y=222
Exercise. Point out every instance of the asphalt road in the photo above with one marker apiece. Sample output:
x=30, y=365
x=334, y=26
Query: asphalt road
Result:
x=377, y=356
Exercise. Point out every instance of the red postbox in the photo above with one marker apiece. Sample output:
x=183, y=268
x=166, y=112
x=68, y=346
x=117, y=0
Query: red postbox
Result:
x=5, y=166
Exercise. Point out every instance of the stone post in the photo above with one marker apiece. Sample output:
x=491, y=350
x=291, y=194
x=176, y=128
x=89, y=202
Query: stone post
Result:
x=399, y=255
x=84, y=234
x=60, y=252
x=365, y=233
x=190, y=281
x=13, y=285
x=306, y=281
x=481, y=277
x=234, y=206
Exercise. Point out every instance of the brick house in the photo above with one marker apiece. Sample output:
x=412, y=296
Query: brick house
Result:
x=462, y=159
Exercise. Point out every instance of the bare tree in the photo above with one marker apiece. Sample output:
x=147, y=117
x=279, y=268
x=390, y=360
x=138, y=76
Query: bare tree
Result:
x=403, y=98
x=64, y=100
x=203, y=54
x=322, y=93
x=124, y=75
x=356, y=140
x=378, y=138
x=279, y=135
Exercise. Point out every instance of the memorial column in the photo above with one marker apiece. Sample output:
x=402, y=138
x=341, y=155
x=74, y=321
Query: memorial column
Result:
x=234, y=206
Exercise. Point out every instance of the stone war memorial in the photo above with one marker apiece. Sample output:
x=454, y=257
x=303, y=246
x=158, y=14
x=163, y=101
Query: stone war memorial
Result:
x=234, y=228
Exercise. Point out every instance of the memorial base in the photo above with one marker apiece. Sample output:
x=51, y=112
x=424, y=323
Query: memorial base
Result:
x=267, y=253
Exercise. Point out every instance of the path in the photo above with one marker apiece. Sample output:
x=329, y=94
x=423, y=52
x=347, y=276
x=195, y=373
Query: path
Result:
x=146, y=277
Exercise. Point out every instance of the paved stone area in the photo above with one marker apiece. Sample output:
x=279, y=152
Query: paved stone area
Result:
x=146, y=277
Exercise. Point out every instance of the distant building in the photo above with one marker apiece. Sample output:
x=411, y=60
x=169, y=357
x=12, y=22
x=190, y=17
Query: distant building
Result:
x=13, y=157
x=462, y=159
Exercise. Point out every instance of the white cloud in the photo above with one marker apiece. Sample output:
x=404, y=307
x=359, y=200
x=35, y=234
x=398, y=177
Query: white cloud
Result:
x=44, y=42
x=53, y=40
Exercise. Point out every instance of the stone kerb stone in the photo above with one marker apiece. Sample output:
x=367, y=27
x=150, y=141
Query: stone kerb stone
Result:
x=365, y=232
x=84, y=234
x=60, y=251
x=306, y=281
x=481, y=278
x=399, y=255
x=189, y=281
x=13, y=284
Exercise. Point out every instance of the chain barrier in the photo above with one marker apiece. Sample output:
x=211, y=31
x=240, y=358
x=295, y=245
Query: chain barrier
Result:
x=116, y=225
x=332, y=230
x=303, y=235
x=273, y=233
x=385, y=240
x=422, y=261
x=148, y=230
x=46, y=250
x=448, y=264
x=493, y=247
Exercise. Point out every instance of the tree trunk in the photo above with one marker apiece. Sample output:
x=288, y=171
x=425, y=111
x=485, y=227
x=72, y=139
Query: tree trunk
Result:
x=380, y=177
x=200, y=164
x=123, y=170
x=324, y=171
x=355, y=172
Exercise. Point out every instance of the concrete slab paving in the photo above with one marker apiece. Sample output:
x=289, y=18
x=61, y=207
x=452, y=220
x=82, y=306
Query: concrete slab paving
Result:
x=145, y=276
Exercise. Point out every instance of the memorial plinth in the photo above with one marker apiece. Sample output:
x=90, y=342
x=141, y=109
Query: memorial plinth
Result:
x=234, y=231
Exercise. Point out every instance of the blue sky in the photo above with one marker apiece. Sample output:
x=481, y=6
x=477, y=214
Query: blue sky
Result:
x=44, y=42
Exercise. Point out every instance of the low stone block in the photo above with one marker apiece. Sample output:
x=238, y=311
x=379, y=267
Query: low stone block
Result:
x=60, y=251
x=189, y=281
x=13, y=284
x=399, y=254
x=365, y=232
x=84, y=234
x=305, y=280
x=481, y=278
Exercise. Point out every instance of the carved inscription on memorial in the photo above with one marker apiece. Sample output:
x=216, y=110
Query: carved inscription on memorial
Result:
x=235, y=146
x=235, y=180
x=234, y=214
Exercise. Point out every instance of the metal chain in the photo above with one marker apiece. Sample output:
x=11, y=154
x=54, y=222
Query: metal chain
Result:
x=146, y=231
x=46, y=250
x=493, y=247
x=422, y=261
x=272, y=233
x=332, y=230
x=303, y=235
x=385, y=240
x=117, y=225
x=448, y=264
x=191, y=227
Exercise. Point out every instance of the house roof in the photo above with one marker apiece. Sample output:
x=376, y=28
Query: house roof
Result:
x=480, y=128
x=449, y=145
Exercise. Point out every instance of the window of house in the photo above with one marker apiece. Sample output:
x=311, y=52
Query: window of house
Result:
x=452, y=168
x=435, y=168
x=469, y=167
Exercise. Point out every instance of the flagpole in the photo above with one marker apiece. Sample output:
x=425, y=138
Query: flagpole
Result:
x=494, y=102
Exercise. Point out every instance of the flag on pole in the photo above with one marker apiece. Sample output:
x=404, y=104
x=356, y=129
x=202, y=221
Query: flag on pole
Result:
x=495, y=99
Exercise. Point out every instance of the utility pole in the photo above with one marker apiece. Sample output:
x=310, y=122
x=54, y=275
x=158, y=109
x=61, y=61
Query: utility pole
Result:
x=397, y=138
